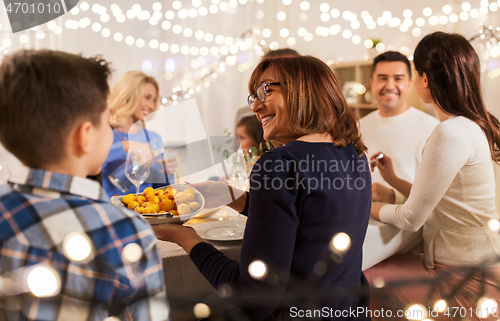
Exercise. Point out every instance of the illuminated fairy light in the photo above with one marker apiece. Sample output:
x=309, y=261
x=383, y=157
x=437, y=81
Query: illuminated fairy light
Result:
x=379, y=283
x=494, y=225
x=77, y=247
x=201, y=311
x=132, y=252
x=440, y=306
x=257, y=269
x=416, y=312
x=340, y=242
x=487, y=305
x=44, y=281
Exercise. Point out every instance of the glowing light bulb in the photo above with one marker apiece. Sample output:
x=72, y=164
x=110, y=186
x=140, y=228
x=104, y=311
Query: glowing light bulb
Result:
x=44, y=281
x=201, y=311
x=416, y=312
x=407, y=13
x=378, y=283
x=132, y=252
x=340, y=242
x=440, y=306
x=281, y=16
x=257, y=269
x=77, y=247
x=447, y=9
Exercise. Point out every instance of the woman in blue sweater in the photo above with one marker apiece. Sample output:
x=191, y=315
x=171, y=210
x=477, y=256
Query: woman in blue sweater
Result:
x=134, y=96
x=313, y=187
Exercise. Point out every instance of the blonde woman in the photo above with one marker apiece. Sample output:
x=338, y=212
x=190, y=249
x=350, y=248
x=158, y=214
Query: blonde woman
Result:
x=134, y=96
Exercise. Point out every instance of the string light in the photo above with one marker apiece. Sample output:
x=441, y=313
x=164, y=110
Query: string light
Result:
x=132, y=252
x=201, y=311
x=43, y=281
x=416, y=312
x=340, y=242
x=77, y=247
x=440, y=306
x=257, y=269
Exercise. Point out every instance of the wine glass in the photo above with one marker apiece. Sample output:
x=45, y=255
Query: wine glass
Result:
x=138, y=165
x=238, y=176
x=5, y=172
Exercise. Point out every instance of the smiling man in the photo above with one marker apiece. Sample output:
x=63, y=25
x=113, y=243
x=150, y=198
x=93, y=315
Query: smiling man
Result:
x=399, y=131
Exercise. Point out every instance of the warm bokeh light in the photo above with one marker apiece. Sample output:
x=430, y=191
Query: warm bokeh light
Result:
x=132, y=252
x=340, y=242
x=201, y=310
x=416, y=312
x=494, y=224
x=378, y=283
x=488, y=307
x=440, y=306
x=77, y=247
x=257, y=269
x=44, y=281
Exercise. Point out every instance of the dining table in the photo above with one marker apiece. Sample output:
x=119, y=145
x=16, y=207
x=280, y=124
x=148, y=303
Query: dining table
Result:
x=185, y=285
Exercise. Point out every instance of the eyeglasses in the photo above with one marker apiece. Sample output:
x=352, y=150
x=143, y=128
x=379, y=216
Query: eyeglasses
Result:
x=260, y=94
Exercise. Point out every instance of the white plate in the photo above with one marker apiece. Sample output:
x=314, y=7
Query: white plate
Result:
x=226, y=230
x=177, y=219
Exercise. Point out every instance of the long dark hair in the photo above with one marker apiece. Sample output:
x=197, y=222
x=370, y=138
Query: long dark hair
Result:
x=452, y=69
x=315, y=100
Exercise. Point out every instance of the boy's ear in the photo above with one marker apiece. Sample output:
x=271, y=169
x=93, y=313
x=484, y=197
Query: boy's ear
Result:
x=82, y=138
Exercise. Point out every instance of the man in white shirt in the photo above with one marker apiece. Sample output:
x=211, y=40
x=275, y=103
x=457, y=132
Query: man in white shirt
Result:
x=399, y=131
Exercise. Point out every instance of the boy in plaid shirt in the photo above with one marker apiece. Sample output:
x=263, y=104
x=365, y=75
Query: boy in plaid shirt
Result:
x=54, y=118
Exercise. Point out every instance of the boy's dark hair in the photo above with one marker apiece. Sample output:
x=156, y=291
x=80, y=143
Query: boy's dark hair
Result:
x=391, y=56
x=43, y=95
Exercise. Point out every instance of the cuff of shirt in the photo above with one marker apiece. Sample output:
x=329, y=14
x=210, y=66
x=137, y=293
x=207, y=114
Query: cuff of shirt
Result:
x=399, y=198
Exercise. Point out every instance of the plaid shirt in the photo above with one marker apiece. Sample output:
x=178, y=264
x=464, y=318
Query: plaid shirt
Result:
x=38, y=210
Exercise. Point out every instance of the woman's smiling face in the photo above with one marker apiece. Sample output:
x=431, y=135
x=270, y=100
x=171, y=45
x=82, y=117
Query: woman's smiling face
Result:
x=273, y=113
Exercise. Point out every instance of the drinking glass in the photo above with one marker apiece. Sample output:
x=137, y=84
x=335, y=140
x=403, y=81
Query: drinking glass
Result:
x=238, y=176
x=5, y=172
x=138, y=165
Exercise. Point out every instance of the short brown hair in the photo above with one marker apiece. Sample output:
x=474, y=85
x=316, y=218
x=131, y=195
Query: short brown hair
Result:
x=314, y=98
x=43, y=94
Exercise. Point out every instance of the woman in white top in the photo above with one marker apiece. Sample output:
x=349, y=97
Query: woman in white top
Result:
x=453, y=195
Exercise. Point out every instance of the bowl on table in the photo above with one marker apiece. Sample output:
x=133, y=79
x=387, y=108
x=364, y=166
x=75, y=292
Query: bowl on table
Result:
x=184, y=209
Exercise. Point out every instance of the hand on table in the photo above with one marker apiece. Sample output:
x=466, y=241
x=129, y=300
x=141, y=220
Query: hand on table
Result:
x=380, y=193
x=218, y=194
x=184, y=236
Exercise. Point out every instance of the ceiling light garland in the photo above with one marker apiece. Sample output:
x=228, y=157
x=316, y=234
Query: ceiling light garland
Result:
x=187, y=87
x=404, y=23
x=385, y=19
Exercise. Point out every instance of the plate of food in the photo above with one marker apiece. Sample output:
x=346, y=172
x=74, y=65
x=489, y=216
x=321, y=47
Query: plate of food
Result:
x=176, y=203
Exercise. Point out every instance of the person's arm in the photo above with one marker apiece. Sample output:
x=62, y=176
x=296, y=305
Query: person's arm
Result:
x=269, y=236
x=446, y=152
x=386, y=169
